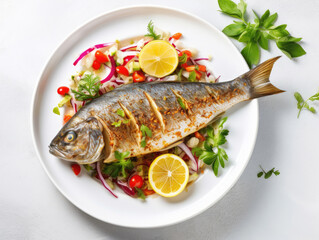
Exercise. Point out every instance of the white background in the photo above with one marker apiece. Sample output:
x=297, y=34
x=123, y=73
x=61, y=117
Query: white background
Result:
x=282, y=207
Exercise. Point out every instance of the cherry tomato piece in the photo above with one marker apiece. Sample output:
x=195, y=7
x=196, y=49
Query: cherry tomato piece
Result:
x=138, y=76
x=101, y=57
x=136, y=181
x=76, y=168
x=190, y=68
x=122, y=70
x=177, y=36
x=202, y=68
x=148, y=192
x=96, y=65
x=184, y=65
x=188, y=53
x=200, y=136
x=63, y=90
x=66, y=118
x=198, y=75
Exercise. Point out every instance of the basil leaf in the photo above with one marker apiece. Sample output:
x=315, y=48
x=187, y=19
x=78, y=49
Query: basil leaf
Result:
x=208, y=157
x=215, y=167
x=268, y=174
x=291, y=49
x=230, y=8
x=264, y=17
x=263, y=41
x=234, y=29
x=242, y=7
x=251, y=53
x=269, y=21
x=299, y=99
x=289, y=39
x=260, y=174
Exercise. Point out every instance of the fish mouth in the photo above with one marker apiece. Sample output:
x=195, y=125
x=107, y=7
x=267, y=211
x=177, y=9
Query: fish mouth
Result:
x=56, y=152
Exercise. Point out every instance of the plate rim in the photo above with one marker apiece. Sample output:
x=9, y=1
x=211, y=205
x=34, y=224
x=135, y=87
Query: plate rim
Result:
x=78, y=29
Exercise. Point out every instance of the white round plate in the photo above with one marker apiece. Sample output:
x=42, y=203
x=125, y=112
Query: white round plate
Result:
x=86, y=193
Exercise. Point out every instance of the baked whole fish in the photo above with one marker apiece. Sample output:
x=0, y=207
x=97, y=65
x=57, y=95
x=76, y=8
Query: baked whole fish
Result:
x=171, y=110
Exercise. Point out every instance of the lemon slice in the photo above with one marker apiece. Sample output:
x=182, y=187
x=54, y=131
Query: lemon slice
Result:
x=168, y=175
x=158, y=58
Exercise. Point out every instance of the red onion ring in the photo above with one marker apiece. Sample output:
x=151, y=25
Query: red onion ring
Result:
x=104, y=183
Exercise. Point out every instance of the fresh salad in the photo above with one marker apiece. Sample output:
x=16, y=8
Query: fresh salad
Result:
x=103, y=67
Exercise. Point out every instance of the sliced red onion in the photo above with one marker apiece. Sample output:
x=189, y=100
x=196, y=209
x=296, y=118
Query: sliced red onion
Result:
x=192, y=60
x=217, y=79
x=82, y=55
x=123, y=49
x=128, y=58
x=83, y=103
x=113, y=66
x=119, y=80
x=126, y=189
x=104, y=183
x=208, y=74
x=201, y=59
x=74, y=106
x=190, y=155
x=102, y=45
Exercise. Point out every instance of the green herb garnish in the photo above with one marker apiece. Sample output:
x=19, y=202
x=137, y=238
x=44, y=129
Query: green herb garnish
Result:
x=120, y=112
x=302, y=104
x=213, y=154
x=145, y=132
x=56, y=110
x=88, y=88
x=183, y=59
x=181, y=103
x=64, y=100
x=192, y=76
x=120, y=167
x=140, y=193
x=117, y=124
x=151, y=31
x=258, y=32
x=267, y=174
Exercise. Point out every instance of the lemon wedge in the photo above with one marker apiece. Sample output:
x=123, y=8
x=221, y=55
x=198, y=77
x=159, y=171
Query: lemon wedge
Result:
x=168, y=175
x=158, y=58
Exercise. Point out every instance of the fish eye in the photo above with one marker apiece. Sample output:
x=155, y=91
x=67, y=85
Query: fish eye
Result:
x=71, y=136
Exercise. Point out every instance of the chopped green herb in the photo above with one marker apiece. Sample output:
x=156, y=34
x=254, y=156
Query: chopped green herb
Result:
x=183, y=59
x=258, y=33
x=267, y=174
x=192, y=76
x=117, y=124
x=181, y=103
x=212, y=153
x=302, y=104
x=140, y=193
x=125, y=121
x=151, y=31
x=88, y=88
x=179, y=75
x=56, y=110
x=145, y=132
x=120, y=112
x=120, y=167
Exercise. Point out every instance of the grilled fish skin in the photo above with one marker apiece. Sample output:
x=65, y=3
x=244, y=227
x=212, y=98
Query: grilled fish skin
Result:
x=171, y=110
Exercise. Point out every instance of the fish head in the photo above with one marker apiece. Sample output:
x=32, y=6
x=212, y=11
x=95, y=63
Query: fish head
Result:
x=79, y=141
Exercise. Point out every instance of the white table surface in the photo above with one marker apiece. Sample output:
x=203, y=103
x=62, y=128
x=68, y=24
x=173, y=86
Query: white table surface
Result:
x=283, y=207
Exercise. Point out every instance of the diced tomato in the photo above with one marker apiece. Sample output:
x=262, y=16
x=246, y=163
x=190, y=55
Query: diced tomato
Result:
x=63, y=90
x=184, y=65
x=122, y=70
x=202, y=68
x=136, y=181
x=190, y=68
x=198, y=75
x=180, y=54
x=96, y=65
x=138, y=76
x=148, y=192
x=200, y=136
x=101, y=57
x=66, y=118
x=76, y=168
x=188, y=53
x=177, y=36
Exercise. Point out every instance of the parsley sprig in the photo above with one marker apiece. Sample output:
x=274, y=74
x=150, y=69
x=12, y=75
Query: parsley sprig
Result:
x=151, y=31
x=258, y=32
x=302, y=104
x=213, y=154
x=88, y=88
x=140, y=193
x=120, y=167
x=145, y=132
x=267, y=174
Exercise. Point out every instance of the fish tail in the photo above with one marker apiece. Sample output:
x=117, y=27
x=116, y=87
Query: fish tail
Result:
x=258, y=78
